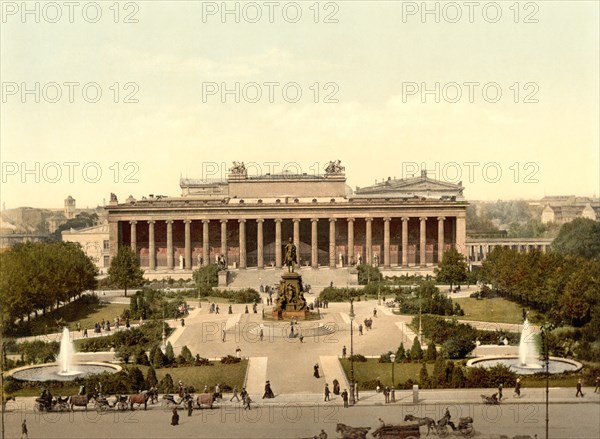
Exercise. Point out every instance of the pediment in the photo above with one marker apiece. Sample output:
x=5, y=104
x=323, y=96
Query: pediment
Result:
x=412, y=186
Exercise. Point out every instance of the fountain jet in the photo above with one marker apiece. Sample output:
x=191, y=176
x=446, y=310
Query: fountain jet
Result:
x=528, y=353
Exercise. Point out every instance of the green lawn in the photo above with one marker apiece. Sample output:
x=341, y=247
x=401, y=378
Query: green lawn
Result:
x=85, y=314
x=497, y=310
x=200, y=376
x=372, y=370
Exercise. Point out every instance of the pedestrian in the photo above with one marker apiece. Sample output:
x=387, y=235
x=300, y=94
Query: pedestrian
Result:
x=327, y=393
x=182, y=322
x=345, y=397
x=246, y=310
x=238, y=352
x=500, y=388
x=230, y=310
x=316, y=371
x=261, y=334
x=268, y=392
x=217, y=310
x=356, y=389
x=322, y=435
x=344, y=351
x=246, y=400
x=518, y=388
x=85, y=333
x=175, y=417
x=579, y=392
x=597, y=384
x=386, y=394
x=24, y=429
x=360, y=328
x=223, y=336
x=180, y=391
x=374, y=312
x=190, y=405
x=243, y=393
x=301, y=338
x=235, y=394
x=336, y=387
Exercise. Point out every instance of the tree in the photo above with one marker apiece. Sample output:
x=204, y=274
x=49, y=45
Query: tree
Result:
x=400, y=353
x=206, y=277
x=136, y=379
x=424, y=377
x=151, y=379
x=166, y=385
x=580, y=237
x=169, y=353
x=159, y=359
x=124, y=271
x=431, y=353
x=458, y=378
x=416, y=352
x=453, y=268
x=186, y=355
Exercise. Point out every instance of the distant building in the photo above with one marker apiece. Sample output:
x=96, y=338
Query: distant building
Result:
x=563, y=209
x=94, y=241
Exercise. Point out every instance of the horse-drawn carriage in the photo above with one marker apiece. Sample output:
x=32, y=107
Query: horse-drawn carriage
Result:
x=397, y=431
x=44, y=404
x=464, y=427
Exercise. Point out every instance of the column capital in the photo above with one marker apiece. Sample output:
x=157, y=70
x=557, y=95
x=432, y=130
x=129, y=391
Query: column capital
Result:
x=422, y=218
x=405, y=218
x=387, y=219
x=314, y=220
x=350, y=219
x=368, y=219
x=223, y=221
x=187, y=221
x=169, y=222
x=241, y=221
x=332, y=220
x=133, y=222
x=205, y=221
x=441, y=218
x=296, y=220
x=260, y=220
x=278, y=220
x=151, y=222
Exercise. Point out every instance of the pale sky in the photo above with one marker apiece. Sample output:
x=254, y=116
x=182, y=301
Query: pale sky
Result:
x=376, y=63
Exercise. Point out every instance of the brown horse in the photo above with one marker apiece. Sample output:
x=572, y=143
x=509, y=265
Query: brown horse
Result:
x=205, y=399
x=81, y=400
x=139, y=399
x=352, y=432
x=430, y=423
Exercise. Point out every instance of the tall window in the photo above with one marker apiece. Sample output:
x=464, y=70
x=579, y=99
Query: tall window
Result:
x=106, y=247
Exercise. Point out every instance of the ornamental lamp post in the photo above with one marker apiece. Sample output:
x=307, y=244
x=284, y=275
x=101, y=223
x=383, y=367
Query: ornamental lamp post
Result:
x=545, y=356
x=393, y=360
x=352, y=382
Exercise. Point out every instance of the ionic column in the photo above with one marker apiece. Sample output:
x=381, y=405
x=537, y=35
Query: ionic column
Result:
x=151, y=246
x=170, y=265
x=386, y=242
x=278, y=258
x=332, y=242
x=440, y=238
x=242, y=243
x=297, y=237
x=133, y=236
x=369, y=241
x=224, y=239
x=205, y=242
x=259, y=239
x=350, y=240
x=461, y=235
x=313, y=243
x=405, y=242
x=422, y=238
x=188, y=244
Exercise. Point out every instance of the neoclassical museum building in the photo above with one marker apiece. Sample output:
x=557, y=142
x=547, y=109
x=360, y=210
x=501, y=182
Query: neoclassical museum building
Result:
x=403, y=224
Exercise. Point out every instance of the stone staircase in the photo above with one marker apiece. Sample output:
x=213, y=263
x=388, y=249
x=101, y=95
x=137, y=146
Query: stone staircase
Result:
x=317, y=279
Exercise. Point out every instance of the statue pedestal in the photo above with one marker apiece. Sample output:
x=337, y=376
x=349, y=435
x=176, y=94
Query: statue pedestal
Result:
x=222, y=278
x=290, y=299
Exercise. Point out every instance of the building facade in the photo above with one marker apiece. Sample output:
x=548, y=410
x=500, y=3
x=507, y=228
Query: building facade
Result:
x=398, y=223
x=94, y=241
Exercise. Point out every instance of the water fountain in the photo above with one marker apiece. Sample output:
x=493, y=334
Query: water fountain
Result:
x=528, y=361
x=65, y=368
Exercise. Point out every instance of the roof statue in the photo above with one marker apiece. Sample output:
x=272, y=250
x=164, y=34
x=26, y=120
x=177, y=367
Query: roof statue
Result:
x=334, y=167
x=238, y=168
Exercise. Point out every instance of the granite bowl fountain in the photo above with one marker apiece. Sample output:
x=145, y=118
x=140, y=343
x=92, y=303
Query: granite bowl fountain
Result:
x=528, y=361
x=65, y=368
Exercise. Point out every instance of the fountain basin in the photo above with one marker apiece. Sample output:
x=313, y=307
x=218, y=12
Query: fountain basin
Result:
x=556, y=365
x=53, y=371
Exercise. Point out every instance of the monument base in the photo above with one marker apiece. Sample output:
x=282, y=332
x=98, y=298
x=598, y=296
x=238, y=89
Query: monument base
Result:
x=288, y=315
x=222, y=278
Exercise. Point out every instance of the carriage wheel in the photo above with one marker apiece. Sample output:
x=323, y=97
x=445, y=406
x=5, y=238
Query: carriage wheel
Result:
x=166, y=404
x=122, y=406
x=442, y=431
x=467, y=431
